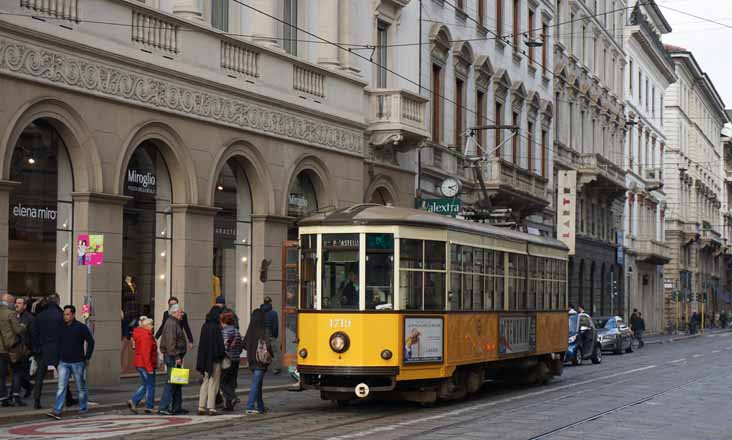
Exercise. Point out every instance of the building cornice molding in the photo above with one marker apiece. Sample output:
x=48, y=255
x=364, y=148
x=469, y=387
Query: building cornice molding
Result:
x=113, y=81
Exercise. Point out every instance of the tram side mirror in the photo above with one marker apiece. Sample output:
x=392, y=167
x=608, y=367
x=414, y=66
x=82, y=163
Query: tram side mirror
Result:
x=263, y=270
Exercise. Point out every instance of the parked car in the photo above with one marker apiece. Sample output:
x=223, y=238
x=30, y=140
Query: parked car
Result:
x=583, y=341
x=614, y=334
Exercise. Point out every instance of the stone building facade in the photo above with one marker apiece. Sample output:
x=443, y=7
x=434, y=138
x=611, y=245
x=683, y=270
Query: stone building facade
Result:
x=694, y=115
x=650, y=72
x=192, y=136
x=590, y=64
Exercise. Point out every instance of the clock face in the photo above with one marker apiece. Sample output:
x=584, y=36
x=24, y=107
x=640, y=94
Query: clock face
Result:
x=450, y=187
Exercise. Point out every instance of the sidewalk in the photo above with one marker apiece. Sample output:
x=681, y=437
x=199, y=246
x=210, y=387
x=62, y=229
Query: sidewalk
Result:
x=114, y=397
x=664, y=339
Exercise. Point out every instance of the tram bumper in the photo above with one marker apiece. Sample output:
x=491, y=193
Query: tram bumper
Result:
x=348, y=379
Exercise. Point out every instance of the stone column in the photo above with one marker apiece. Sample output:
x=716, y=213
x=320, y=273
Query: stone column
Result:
x=344, y=36
x=192, y=265
x=265, y=29
x=328, y=29
x=97, y=213
x=269, y=233
x=188, y=9
x=6, y=186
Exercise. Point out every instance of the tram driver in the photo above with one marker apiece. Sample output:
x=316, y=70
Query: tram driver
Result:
x=349, y=290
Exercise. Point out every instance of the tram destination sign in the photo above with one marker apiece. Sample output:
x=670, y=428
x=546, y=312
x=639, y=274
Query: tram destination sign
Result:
x=451, y=207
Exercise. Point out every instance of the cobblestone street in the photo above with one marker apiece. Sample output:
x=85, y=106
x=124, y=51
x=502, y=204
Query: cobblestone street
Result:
x=645, y=395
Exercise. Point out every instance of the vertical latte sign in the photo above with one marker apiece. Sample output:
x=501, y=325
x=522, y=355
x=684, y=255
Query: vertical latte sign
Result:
x=566, y=208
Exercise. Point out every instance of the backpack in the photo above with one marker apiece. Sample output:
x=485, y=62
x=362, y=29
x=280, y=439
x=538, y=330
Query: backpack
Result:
x=263, y=355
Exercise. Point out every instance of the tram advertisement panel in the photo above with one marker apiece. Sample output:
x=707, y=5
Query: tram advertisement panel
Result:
x=517, y=334
x=423, y=340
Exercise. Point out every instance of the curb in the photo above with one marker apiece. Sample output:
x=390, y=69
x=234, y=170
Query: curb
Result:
x=685, y=337
x=34, y=414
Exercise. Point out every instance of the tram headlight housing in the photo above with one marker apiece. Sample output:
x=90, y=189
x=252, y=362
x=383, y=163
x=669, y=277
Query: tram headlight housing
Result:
x=339, y=342
x=303, y=353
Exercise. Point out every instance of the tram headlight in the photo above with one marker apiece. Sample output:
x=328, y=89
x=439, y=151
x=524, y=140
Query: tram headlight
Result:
x=339, y=342
x=303, y=353
x=386, y=354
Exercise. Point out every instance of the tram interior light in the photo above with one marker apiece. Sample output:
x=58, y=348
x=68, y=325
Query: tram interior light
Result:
x=31, y=160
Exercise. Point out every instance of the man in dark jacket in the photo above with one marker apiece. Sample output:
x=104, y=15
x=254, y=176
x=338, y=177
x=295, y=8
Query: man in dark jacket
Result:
x=26, y=318
x=45, y=340
x=272, y=327
x=10, y=330
x=183, y=322
x=638, y=325
x=173, y=347
x=76, y=347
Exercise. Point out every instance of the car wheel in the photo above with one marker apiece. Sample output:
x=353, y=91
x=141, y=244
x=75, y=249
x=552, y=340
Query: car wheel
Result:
x=597, y=355
x=578, y=357
x=619, y=347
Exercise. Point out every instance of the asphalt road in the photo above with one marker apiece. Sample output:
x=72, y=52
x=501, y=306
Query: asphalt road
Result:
x=680, y=390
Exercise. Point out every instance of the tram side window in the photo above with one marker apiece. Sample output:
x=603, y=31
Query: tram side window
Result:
x=562, y=284
x=541, y=284
x=499, y=298
x=422, y=274
x=467, y=300
x=340, y=271
x=379, y=271
x=489, y=280
x=531, y=291
x=456, y=258
x=308, y=268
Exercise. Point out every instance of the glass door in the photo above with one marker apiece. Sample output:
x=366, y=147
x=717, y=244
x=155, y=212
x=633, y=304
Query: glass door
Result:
x=290, y=284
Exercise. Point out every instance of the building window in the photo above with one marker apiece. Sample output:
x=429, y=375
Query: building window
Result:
x=40, y=247
x=381, y=53
x=630, y=76
x=499, y=18
x=220, y=14
x=289, y=27
x=530, y=148
x=515, y=141
x=544, y=47
x=653, y=102
x=459, y=123
x=436, y=104
x=516, y=24
x=640, y=87
x=543, y=153
x=531, y=36
x=499, y=132
x=481, y=12
x=480, y=120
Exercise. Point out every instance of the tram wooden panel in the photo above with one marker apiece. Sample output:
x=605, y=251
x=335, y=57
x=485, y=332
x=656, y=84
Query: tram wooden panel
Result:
x=551, y=332
x=471, y=337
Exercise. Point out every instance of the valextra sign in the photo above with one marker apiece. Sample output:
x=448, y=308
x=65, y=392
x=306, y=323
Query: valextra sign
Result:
x=566, y=208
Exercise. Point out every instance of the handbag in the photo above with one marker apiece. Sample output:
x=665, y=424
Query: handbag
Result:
x=16, y=352
x=179, y=376
x=226, y=363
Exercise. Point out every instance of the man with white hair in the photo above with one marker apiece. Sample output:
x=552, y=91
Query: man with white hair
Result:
x=173, y=346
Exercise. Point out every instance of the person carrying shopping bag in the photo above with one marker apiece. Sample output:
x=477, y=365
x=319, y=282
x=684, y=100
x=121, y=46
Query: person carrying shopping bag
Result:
x=210, y=355
x=173, y=346
x=146, y=359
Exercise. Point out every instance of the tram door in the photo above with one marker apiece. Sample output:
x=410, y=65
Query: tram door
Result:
x=290, y=287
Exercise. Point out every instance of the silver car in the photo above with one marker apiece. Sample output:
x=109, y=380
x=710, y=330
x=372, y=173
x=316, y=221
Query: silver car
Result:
x=614, y=334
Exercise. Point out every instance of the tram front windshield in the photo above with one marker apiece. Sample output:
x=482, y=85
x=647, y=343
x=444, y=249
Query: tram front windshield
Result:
x=340, y=271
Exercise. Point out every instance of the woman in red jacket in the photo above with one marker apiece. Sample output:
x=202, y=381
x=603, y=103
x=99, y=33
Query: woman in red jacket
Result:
x=146, y=360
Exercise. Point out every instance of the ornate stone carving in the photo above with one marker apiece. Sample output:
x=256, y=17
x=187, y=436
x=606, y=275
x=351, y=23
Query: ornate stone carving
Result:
x=102, y=79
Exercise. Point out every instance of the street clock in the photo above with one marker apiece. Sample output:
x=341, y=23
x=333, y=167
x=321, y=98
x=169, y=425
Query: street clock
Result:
x=450, y=187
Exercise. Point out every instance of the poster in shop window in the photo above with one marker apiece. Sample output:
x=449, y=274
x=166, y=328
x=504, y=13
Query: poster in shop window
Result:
x=90, y=249
x=423, y=340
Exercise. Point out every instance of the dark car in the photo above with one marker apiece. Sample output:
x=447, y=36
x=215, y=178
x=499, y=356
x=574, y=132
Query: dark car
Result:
x=614, y=334
x=583, y=341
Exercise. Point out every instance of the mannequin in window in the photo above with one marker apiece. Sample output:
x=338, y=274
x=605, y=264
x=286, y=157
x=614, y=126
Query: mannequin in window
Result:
x=130, y=307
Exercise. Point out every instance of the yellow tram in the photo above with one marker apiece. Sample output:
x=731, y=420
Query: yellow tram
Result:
x=402, y=303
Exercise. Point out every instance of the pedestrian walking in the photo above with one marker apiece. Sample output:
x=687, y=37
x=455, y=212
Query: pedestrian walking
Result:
x=173, y=347
x=146, y=361
x=11, y=351
x=26, y=318
x=272, y=326
x=45, y=340
x=73, y=359
x=230, y=364
x=208, y=363
x=259, y=355
x=220, y=307
x=638, y=325
x=184, y=323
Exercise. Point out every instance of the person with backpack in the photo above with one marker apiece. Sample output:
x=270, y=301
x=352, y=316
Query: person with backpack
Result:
x=259, y=355
x=230, y=364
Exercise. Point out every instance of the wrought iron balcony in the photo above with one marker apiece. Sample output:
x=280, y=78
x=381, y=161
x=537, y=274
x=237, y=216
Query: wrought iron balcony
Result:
x=396, y=116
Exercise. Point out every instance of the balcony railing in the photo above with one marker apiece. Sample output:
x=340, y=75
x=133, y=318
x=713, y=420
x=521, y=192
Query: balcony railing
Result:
x=155, y=31
x=505, y=176
x=594, y=165
x=652, y=251
x=61, y=9
x=309, y=81
x=397, y=115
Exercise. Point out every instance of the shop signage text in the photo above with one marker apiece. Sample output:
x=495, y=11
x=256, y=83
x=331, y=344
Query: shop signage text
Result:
x=566, y=208
x=36, y=213
x=451, y=207
x=141, y=182
x=297, y=201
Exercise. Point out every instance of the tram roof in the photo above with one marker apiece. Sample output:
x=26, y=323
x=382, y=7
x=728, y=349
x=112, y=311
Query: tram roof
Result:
x=372, y=214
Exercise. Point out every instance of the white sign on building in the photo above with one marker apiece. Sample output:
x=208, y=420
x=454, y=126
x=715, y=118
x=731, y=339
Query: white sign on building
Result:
x=566, y=208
